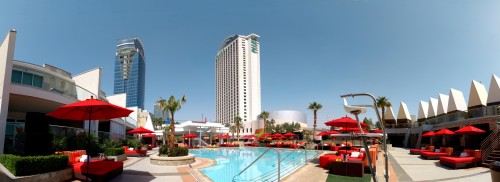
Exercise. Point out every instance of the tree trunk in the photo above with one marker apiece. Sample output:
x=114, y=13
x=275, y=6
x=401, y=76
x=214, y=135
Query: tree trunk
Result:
x=383, y=116
x=172, y=132
x=238, y=133
x=314, y=126
x=265, y=124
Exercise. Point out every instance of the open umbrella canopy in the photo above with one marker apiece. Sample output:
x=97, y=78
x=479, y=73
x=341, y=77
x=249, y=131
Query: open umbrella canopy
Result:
x=321, y=133
x=470, y=130
x=349, y=129
x=345, y=122
x=277, y=135
x=445, y=131
x=377, y=131
x=192, y=135
x=139, y=130
x=429, y=134
x=90, y=109
x=332, y=132
x=289, y=134
x=265, y=135
x=150, y=135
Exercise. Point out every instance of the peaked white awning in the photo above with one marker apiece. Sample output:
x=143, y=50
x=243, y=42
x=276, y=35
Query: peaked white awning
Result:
x=389, y=114
x=403, y=113
x=433, y=104
x=423, y=109
x=457, y=101
x=442, y=104
x=477, y=94
x=494, y=92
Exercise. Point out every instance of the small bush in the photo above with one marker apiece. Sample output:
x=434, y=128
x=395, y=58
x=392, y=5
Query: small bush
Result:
x=114, y=151
x=29, y=165
x=59, y=143
x=163, y=150
x=177, y=151
x=133, y=143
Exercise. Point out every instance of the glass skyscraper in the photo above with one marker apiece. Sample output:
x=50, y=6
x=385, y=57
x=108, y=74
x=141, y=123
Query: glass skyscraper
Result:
x=130, y=71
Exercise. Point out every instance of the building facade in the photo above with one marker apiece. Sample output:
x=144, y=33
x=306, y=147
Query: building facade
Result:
x=130, y=71
x=237, y=65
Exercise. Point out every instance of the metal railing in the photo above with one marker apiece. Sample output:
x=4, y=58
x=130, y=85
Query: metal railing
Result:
x=260, y=156
x=489, y=144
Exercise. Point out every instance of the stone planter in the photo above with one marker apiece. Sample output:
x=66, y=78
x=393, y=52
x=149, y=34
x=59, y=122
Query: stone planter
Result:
x=61, y=175
x=171, y=161
x=117, y=158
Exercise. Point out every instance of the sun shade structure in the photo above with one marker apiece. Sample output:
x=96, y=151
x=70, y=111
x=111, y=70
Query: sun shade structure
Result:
x=321, y=133
x=332, y=132
x=403, y=113
x=432, y=111
x=423, y=109
x=456, y=101
x=265, y=135
x=442, y=104
x=278, y=135
x=389, y=116
x=192, y=135
x=345, y=122
x=429, y=134
x=494, y=91
x=150, y=135
x=477, y=95
x=90, y=109
x=289, y=134
x=139, y=130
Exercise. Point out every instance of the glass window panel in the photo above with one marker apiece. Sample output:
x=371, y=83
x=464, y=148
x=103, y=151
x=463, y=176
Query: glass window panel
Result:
x=37, y=81
x=27, y=78
x=16, y=76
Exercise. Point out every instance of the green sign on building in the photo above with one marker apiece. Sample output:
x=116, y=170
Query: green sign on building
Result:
x=253, y=46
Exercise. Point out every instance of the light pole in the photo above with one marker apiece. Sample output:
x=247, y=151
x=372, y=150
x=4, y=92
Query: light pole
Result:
x=386, y=175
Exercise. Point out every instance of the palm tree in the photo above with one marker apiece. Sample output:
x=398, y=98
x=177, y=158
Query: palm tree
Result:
x=232, y=129
x=157, y=122
x=314, y=106
x=264, y=115
x=171, y=106
x=163, y=106
x=238, y=125
x=383, y=102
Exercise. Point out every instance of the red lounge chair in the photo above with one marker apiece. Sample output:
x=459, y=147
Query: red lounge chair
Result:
x=444, y=152
x=98, y=170
x=334, y=148
x=473, y=157
x=417, y=151
x=135, y=152
x=324, y=160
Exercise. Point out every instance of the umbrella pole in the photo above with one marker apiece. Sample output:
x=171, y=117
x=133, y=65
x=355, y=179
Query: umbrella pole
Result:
x=88, y=147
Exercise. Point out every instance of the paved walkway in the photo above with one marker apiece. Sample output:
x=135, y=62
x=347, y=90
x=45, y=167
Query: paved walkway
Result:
x=417, y=169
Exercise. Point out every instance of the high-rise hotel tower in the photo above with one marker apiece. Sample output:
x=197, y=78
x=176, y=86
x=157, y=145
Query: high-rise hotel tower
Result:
x=130, y=71
x=237, y=65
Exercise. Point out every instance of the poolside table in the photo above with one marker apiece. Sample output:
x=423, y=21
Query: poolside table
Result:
x=349, y=168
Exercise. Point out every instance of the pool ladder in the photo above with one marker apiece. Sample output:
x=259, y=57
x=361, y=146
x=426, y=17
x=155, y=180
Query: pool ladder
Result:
x=269, y=175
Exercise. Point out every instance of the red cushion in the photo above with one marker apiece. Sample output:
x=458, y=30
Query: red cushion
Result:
x=97, y=167
x=456, y=160
x=325, y=159
x=416, y=150
x=427, y=153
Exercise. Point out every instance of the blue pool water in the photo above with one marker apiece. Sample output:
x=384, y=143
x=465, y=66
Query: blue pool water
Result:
x=231, y=161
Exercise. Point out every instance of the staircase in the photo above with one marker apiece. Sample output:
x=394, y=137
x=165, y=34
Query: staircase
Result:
x=197, y=141
x=490, y=148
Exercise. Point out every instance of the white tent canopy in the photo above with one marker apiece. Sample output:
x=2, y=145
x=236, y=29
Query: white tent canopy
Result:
x=423, y=109
x=494, y=91
x=389, y=114
x=403, y=113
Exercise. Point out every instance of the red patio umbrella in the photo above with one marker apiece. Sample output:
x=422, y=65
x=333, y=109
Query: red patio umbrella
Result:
x=345, y=122
x=139, y=130
x=332, y=132
x=469, y=130
x=321, y=133
x=192, y=135
x=289, y=134
x=89, y=109
x=277, y=135
x=377, y=131
x=445, y=132
x=265, y=135
x=150, y=135
x=429, y=134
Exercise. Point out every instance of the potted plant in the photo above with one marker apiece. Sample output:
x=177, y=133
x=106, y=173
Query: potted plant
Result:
x=495, y=171
x=59, y=144
x=113, y=150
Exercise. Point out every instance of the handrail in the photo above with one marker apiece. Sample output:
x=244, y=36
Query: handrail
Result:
x=258, y=159
x=294, y=151
x=489, y=144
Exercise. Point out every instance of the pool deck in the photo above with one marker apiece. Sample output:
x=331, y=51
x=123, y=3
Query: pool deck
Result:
x=402, y=167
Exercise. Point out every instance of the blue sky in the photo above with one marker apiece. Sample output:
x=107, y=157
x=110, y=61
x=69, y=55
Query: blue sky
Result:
x=310, y=51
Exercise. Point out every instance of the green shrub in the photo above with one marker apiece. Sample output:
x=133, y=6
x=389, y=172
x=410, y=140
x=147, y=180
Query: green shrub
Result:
x=59, y=143
x=133, y=143
x=114, y=151
x=177, y=151
x=163, y=150
x=29, y=165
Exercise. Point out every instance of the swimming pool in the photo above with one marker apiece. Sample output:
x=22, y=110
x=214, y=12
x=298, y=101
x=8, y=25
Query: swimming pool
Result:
x=231, y=161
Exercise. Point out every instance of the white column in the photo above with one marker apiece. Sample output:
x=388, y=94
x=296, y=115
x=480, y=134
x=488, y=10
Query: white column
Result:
x=6, y=61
